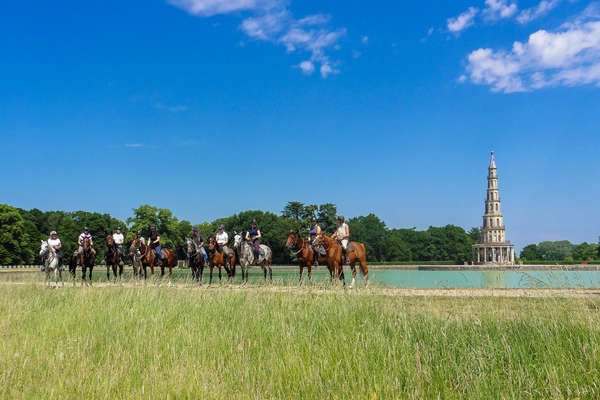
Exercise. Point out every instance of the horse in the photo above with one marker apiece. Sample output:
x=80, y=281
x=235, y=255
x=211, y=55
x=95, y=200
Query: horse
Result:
x=356, y=252
x=149, y=257
x=51, y=263
x=217, y=259
x=304, y=253
x=113, y=258
x=86, y=259
x=136, y=258
x=196, y=259
x=334, y=256
x=246, y=257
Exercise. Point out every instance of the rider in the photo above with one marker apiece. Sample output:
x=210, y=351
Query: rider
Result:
x=199, y=241
x=253, y=235
x=85, y=235
x=222, y=240
x=55, y=242
x=154, y=242
x=313, y=232
x=341, y=235
x=118, y=238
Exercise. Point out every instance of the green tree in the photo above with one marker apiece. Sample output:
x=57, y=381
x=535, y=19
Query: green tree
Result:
x=327, y=216
x=555, y=251
x=13, y=238
x=370, y=231
x=475, y=234
x=530, y=252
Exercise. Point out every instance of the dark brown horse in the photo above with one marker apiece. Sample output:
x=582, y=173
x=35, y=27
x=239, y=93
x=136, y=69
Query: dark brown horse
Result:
x=356, y=252
x=304, y=253
x=334, y=256
x=87, y=259
x=113, y=258
x=149, y=258
x=217, y=259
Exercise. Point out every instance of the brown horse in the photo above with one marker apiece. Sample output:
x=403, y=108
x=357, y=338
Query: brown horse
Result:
x=136, y=255
x=357, y=253
x=217, y=259
x=86, y=259
x=304, y=253
x=113, y=258
x=149, y=257
x=334, y=256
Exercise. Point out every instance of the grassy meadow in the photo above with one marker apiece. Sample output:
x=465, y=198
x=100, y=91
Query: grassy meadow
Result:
x=265, y=342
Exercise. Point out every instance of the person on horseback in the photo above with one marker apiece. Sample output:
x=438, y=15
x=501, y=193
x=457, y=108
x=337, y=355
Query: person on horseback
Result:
x=342, y=234
x=253, y=234
x=199, y=241
x=313, y=232
x=154, y=243
x=55, y=242
x=138, y=236
x=222, y=241
x=119, y=239
x=81, y=239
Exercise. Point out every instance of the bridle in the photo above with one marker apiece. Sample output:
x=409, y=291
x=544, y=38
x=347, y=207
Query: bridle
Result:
x=294, y=245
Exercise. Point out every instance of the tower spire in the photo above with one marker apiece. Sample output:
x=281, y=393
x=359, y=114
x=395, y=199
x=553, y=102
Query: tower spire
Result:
x=493, y=246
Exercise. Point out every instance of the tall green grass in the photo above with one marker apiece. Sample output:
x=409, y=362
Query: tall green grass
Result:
x=282, y=342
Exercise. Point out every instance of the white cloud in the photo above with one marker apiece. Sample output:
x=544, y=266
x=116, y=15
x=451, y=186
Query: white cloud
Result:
x=567, y=57
x=463, y=21
x=543, y=8
x=307, y=67
x=273, y=22
x=365, y=39
x=499, y=9
x=327, y=69
x=207, y=8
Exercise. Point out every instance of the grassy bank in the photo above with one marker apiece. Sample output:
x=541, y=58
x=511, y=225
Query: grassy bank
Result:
x=154, y=342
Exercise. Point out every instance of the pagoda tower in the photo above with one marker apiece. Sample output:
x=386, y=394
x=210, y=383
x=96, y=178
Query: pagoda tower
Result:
x=493, y=247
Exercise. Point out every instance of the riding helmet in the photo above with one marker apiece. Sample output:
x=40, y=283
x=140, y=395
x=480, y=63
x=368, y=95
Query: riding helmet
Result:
x=53, y=233
x=195, y=229
x=86, y=228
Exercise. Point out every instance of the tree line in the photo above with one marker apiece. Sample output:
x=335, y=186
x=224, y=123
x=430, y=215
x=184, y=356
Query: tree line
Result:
x=23, y=230
x=561, y=250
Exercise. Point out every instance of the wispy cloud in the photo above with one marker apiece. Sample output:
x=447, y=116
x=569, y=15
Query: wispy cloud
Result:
x=272, y=21
x=173, y=109
x=364, y=39
x=499, y=9
x=134, y=145
x=543, y=8
x=569, y=56
x=466, y=19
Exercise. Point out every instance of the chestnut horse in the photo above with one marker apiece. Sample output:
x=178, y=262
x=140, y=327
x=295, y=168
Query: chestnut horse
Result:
x=149, y=257
x=304, y=253
x=357, y=253
x=334, y=256
x=113, y=258
x=217, y=259
x=87, y=260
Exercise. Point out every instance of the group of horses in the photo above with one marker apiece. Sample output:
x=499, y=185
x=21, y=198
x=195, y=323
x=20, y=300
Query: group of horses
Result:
x=325, y=249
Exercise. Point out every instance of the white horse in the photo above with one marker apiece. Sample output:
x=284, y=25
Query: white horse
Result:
x=246, y=256
x=51, y=263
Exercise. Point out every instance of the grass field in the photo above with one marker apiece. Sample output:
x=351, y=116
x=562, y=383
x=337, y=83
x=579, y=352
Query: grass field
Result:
x=319, y=342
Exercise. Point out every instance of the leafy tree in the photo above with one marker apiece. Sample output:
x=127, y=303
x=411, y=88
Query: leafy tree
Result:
x=530, y=252
x=370, y=231
x=13, y=237
x=327, y=216
x=475, y=234
x=294, y=210
x=555, y=251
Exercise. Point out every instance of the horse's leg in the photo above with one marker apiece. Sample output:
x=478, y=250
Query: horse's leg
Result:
x=121, y=270
x=301, y=271
x=83, y=278
x=56, y=277
x=91, y=270
x=309, y=266
x=61, y=278
x=264, y=267
x=170, y=273
x=270, y=272
x=220, y=272
x=108, y=273
x=211, y=274
x=365, y=271
x=353, y=267
x=201, y=273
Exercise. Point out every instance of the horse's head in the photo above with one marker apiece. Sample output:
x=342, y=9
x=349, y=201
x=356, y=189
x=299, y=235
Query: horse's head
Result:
x=237, y=240
x=190, y=245
x=109, y=240
x=87, y=242
x=292, y=241
x=44, y=247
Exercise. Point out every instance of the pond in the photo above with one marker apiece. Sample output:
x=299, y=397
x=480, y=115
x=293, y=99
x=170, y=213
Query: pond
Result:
x=403, y=278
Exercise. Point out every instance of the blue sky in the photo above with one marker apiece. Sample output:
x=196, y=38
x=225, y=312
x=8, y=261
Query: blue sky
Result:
x=210, y=107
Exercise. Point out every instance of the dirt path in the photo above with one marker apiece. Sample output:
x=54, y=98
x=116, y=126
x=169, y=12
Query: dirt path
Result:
x=325, y=289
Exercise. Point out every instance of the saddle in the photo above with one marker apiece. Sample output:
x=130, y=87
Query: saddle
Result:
x=349, y=248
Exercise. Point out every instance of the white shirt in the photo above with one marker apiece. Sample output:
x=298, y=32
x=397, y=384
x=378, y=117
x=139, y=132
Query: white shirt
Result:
x=54, y=242
x=341, y=231
x=222, y=238
x=118, y=238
